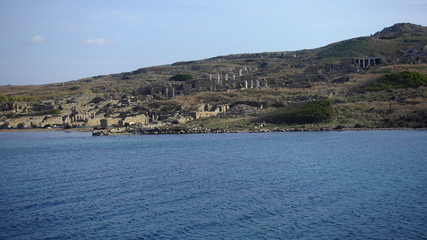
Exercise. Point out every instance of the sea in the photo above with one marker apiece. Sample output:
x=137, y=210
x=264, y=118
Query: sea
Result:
x=293, y=185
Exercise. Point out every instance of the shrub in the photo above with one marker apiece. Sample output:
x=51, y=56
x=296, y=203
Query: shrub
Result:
x=22, y=98
x=310, y=112
x=182, y=77
x=263, y=65
x=3, y=98
x=404, y=79
x=339, y=127
x=11, y=115
x=54, y=111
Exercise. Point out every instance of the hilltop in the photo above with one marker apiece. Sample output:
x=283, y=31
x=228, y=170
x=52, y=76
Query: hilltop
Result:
x=231, y=91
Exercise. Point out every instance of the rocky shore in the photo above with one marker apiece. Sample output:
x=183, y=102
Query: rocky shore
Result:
x=199, y=130
x=156, y=131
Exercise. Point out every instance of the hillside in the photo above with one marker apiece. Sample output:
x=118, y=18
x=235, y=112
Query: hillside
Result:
x=241, y=87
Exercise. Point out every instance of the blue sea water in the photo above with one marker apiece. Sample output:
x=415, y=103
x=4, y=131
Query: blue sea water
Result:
x=309, y=185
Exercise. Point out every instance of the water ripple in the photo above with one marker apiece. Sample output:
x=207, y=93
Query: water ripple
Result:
x=339, y=185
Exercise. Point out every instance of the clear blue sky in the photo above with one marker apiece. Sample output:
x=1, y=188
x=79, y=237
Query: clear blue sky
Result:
x=47, y=41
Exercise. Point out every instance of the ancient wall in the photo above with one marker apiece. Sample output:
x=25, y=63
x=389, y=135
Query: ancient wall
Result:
x=205, y=114
x=47, y=106
x=142, y=119
x=198, y=85
x=57, y=120
x=16, y=107
x=25, y=121
x=93, y=122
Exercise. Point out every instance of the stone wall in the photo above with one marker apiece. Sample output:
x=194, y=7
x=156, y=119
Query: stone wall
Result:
x=54, y=120
x=203, y=111
x=205, y=114
x=25, y=121
x=41, y=107
x=93, y=122
x=16, y=107
x=198, y=85
x=142, y=119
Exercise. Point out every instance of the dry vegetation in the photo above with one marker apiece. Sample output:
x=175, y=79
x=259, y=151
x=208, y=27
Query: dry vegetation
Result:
x=292, y=78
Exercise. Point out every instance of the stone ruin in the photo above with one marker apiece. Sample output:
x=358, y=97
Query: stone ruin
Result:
x=205, y=110
x=242, y=78
x=366, y=62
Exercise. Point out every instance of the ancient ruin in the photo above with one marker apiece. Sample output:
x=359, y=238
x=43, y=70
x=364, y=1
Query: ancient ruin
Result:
x=367, y=62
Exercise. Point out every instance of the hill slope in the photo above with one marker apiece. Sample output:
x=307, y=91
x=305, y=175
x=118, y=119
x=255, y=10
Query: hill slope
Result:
x=242, y=86
x=401, y=43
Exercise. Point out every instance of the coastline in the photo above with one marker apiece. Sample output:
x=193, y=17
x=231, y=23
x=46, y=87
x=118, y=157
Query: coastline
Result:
x=46, y=130
x=113, y=131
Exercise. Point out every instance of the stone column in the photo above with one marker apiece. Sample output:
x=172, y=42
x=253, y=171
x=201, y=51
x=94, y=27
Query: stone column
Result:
x=252, y=83
x=246, y=84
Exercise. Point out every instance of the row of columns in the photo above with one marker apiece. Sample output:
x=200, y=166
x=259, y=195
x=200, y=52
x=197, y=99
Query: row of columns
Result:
x=366, y=62
x=242, y=72
x=257, y=84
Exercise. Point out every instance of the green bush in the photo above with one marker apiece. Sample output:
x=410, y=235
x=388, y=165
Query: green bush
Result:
x=11, y=115
x=21, y=98
x=404, y=79
x=304, y=113
x=54, y=111
x=182, y=77
x=3, y=98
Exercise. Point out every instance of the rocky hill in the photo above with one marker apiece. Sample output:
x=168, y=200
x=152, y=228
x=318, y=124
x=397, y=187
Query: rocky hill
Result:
x=240, y=87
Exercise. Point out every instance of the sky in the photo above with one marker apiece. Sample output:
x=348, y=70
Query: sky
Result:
x=50, y=41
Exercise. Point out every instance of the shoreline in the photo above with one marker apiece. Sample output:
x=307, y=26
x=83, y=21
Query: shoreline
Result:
x=178, y=131
x=47, y=130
